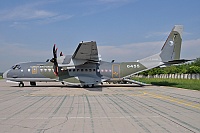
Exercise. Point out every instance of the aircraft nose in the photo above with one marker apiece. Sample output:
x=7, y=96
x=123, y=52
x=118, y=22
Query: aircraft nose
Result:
x=5, y=75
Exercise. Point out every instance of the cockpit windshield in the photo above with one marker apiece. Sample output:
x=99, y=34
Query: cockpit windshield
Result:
x=16, y=67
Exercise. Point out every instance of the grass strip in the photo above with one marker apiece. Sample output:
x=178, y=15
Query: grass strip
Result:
x=192, y=84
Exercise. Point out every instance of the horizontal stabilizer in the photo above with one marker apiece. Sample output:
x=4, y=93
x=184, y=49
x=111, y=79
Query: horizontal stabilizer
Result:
x=177, y=61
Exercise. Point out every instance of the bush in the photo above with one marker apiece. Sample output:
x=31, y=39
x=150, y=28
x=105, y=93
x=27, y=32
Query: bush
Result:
x=190, y=68
x=194, y=69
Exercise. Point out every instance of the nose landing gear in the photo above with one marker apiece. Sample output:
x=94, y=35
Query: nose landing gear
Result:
x=21, y=84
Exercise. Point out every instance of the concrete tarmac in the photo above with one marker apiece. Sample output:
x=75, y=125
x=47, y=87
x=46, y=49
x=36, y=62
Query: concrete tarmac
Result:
x=53, y=108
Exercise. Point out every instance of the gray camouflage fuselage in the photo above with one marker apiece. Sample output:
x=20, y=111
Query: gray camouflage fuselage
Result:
x=90, y=73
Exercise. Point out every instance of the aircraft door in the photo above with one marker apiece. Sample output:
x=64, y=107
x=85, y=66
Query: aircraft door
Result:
x=34, y=70
x=115, y=71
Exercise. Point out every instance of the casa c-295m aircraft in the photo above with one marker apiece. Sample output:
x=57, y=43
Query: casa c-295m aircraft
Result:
x=85, y=67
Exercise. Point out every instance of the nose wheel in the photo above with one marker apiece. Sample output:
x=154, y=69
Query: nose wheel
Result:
x=21, y=84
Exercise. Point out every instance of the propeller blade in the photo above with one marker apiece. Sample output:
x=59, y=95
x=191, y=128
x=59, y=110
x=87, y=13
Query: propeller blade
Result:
x=55, y=51
x=54, y=60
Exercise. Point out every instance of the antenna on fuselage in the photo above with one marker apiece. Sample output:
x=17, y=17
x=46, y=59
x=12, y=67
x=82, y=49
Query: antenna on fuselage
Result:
x=61, y=54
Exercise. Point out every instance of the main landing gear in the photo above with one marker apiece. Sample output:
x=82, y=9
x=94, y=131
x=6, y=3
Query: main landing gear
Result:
x=33, y=83
x=90, y=85
x=87, y=86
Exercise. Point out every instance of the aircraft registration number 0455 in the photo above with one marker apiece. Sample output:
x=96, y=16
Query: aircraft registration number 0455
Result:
x=133, y=66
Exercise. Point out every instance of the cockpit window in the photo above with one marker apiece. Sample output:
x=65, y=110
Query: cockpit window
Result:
x=16, y=67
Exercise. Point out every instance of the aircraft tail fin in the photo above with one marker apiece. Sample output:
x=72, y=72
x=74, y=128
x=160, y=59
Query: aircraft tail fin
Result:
x=172, y=47
x=169, y=52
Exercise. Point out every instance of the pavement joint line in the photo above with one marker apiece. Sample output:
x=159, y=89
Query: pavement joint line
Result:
x=112, y=109
x=175, y=100
x=57, y=118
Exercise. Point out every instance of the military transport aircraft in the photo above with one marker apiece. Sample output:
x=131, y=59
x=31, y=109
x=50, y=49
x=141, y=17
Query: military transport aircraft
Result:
x=86, y=69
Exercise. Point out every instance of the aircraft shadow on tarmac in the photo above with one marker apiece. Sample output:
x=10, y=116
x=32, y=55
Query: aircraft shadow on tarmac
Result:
x=95, y=88
x=164, y=83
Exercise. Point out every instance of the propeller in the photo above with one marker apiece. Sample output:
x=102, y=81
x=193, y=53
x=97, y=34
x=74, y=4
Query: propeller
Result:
x=54, y=60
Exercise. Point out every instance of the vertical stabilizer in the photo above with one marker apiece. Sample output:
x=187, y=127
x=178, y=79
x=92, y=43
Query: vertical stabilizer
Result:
x=169, y=52
x=172, y=47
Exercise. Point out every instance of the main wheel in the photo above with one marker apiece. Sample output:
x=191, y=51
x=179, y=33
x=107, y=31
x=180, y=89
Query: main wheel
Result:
x=21, y=84
x=91, y=85
x=81, y=85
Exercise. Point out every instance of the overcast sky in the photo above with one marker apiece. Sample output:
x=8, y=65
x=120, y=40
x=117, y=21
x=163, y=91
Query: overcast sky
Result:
x=125, y=30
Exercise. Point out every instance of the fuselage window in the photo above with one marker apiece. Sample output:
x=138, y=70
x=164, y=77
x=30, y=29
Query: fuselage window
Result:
x=86, y=70
x=30, y=70
x=81, y=70
x=77, y=70
x=94, y=70
x=69, y=70
x=73, y=70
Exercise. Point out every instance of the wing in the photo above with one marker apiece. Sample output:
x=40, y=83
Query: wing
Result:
x=86, y=51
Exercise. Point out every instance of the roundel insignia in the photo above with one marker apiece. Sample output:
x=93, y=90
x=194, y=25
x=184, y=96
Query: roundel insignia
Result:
x=171, y=43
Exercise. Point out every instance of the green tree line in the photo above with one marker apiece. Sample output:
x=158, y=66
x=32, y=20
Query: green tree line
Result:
x=187, y=68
